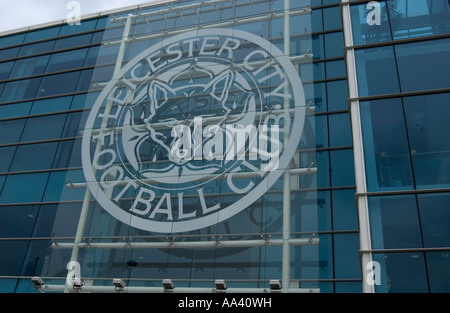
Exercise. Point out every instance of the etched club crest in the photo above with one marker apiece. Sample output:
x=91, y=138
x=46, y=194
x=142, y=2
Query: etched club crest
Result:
x=204, y=112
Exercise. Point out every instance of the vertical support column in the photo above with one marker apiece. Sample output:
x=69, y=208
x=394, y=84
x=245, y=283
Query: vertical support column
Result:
x=360, y=173
x=286, y=255
x=87, y=197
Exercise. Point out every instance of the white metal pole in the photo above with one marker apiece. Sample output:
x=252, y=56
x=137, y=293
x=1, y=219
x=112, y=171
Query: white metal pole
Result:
x=286, y=260
x=190, y=244
x=87, y=197
x=360, y=177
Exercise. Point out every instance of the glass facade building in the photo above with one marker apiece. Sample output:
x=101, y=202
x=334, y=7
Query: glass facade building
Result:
x=347, y=191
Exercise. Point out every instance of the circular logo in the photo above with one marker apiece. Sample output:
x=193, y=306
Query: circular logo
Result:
x=193, y=130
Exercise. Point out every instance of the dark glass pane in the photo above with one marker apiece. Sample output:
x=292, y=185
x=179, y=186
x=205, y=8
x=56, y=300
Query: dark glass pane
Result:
x=342, y=168
x=5, y=70
x=6, y=156
x=72, y=126
x=346, y=260
x=435, y=219
x=438, y=265
x=36, y=48
x=386, y=149
x=10, y=131
x=9, y=53
x=417, y=18
x=401, y=273
x=15, y=110
x=332, y=18
x=394, y=222
x=66, y=60
x=56, y=187
x=68, y=154
x=16, y=251
x=20, y=90
x=376, y=70
x=29, y=67
x=15, y=185
x=344, y=209
x=427, y=119
x=340, y=132
x=34, y=157
x=334, y=45
x=17, y=221
x=75, y=41
x=73, y=29
x=42, y=34
x=415, y=74
x=58, y=84
x=51, y=105
x=12, y=40
x=43, y=127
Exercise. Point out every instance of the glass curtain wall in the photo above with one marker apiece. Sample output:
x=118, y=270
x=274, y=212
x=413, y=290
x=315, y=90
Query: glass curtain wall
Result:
x=401, y=56
x=50, y=81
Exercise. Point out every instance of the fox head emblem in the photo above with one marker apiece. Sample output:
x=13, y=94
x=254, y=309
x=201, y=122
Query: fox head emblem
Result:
x=174, y=99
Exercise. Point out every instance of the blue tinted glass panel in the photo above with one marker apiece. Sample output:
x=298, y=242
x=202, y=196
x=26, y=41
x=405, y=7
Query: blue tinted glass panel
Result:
x=334, y=45
x=73, y=29
x=8, y=285
x=86, y=80
x=394, y=222
x=101, y=23
x=427, y=121
x=34, y=157
x=91, y=58
x=417, y=18
x=42, y=34
x=342, y=168
x=44, y=127
x=51, y=105
x=332, y=18
x=5, y=70
x=23, y=188
x=337, y=94
x=15, y=110
x=20, y=90
x=346, y=259
x=71, y=42
x=438, y=265
x=9, y=53
x=415, y=74
x=58, y=84
x=435, y=218
x=363, y=27
x=17, y=221
x=335, y=69
x=386, y=149
x=402, y=273
x=12, y=40
x=36, y=48
x=68, y=154
x=66, y=60
x=29, y=67
x=6, y=156
x=340, y=134
x=10, y=131
x=57, y=220
x=344, y=209
x=376, y=71
x=72, y=125
x=15, y=250
x=56, y=187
